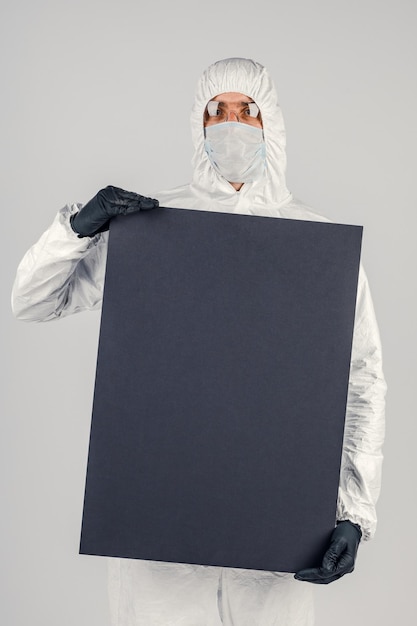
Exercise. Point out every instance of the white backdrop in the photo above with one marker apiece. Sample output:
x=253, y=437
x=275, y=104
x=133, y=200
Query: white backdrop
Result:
x=96, y=92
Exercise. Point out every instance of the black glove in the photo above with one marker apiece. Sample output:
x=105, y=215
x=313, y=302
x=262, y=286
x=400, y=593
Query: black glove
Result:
x=339, y=558
x=95, y=216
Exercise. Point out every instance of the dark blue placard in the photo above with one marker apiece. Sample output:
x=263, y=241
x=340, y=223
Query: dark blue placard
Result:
x=221, y=389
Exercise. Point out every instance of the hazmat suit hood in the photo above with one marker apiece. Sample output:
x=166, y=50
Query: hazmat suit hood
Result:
x=208, y=189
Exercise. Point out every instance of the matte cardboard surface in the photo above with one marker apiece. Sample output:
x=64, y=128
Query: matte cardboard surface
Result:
x=221, y=389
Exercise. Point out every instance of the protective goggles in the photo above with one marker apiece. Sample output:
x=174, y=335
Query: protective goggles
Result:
x=244, y=111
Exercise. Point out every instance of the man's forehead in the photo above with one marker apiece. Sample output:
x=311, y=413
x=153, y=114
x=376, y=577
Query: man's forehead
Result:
x=232, y=97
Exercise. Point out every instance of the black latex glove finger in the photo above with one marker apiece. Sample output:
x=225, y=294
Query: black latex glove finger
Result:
x=333, y=555
x=338, y=558
x=116, y=200
x=336, y=563
x=316, y=576
x=140, y=203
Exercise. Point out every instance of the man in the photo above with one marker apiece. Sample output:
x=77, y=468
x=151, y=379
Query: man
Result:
x=239, y=167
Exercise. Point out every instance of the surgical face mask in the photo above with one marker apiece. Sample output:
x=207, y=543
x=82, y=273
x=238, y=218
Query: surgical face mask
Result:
x=236, y=151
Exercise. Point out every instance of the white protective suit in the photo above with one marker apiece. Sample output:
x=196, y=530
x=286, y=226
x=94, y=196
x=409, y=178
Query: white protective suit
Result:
x=64, y=274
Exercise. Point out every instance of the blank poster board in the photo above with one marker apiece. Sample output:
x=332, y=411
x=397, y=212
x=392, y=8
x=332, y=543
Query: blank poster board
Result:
x=221, y=388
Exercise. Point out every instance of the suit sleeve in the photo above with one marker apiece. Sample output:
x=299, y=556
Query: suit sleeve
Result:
x=360, y=476
x=61, y=274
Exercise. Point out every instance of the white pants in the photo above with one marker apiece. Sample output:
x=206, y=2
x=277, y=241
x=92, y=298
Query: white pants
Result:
x=151, y=593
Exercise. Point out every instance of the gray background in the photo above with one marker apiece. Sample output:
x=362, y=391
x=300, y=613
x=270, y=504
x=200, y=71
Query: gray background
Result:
x=99, y=92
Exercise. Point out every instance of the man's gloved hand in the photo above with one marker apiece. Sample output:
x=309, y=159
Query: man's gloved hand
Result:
x=95, y=216
x=339, y=558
